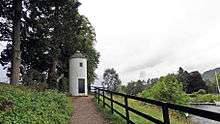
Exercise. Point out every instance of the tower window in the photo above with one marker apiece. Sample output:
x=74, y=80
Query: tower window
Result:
x=81, y=64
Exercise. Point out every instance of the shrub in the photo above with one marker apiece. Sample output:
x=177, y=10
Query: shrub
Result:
x=192, y=95
x=32, y=106
x=135, y=87
x=121, y=89
x=167, y=89
x=199, y=98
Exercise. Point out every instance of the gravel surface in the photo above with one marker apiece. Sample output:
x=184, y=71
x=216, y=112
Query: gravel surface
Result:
x=85, y=112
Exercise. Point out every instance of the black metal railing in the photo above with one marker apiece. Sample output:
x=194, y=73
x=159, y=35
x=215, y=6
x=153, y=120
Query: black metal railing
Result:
x=107, y=94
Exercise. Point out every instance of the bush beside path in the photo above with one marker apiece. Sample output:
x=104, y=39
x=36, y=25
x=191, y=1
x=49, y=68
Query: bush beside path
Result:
x=21, y=105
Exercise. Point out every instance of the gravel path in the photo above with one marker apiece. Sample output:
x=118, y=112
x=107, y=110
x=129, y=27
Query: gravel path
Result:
x=85, y=112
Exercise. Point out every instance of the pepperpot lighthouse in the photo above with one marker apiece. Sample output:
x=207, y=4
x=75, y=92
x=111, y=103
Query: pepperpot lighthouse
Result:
x=78, y=75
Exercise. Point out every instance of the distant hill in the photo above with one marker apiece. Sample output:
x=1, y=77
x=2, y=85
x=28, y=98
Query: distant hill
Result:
x=210, y=74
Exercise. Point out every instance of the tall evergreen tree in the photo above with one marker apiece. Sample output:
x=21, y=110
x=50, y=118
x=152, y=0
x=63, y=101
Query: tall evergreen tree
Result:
x=10, y=25
x=16, y=42
x=51, y=32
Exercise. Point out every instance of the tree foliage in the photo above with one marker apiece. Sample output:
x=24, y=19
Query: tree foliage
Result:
x=192, y=81
x=211, y=86
x=122, y=89
x=152, y=80
x=111, y=79
x=167, y=89
x=10, y=29
x=135, y=87
x=51, y=32
x=217, y=84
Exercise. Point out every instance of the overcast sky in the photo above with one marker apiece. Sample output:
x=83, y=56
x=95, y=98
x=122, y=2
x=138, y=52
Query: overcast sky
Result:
x=150, y=38
x=3, y=77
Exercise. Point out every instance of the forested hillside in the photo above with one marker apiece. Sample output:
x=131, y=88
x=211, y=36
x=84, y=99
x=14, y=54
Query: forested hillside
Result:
x=210, y=74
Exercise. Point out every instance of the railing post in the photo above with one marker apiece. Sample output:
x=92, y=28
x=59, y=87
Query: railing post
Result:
x=112, y=109
x=103, y=95
x=126, y=109
x=165, y=114
x=98, y=95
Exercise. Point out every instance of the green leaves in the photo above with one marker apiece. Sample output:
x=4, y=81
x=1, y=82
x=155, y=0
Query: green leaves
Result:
x=134, y=87
x=31, y=106
x=51, y=32
x=111, y=79
x=167, y=89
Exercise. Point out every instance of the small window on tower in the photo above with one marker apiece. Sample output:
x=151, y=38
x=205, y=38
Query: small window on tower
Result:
x=81, y=64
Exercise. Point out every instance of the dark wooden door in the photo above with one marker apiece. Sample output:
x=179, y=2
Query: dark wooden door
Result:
x=81, y=85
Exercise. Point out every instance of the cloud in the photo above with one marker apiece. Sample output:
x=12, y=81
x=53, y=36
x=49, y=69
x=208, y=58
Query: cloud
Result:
x=149, y=63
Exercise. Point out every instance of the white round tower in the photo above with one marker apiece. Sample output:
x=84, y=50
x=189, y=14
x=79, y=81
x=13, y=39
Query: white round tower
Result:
x=78, y=75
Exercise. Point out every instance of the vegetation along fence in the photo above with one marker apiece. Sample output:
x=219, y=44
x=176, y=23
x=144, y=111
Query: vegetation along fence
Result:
x=102, y=94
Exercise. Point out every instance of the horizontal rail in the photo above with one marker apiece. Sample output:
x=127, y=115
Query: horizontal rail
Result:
x=155, y=102
x=118, y=103
x=107, y=105
x=119, y=113
x=145, y=116
x=198, y=112
x=122, y=105
x=123, y=116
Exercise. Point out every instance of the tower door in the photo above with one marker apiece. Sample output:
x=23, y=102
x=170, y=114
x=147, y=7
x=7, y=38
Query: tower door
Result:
x=81, y=85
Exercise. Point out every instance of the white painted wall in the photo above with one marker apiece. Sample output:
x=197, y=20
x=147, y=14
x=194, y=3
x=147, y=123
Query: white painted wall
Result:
x=76, y=72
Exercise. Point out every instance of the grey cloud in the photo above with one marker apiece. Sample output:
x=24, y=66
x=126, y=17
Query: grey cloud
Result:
x=149, y=63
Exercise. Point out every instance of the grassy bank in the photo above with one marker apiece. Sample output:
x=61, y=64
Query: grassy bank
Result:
x=154, y=111
x=200, y=98
x=115, y=119
x=22, y=105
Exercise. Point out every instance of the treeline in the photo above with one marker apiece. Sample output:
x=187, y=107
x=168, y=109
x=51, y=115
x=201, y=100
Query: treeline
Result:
x=170, y=88
x=49, y=33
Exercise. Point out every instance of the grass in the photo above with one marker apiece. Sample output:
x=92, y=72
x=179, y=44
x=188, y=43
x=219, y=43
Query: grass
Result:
x=114, y=118
x=22, y=105
x=199, y=98
x=154, y=111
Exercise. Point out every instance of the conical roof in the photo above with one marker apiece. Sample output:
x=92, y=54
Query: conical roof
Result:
x=78, y=55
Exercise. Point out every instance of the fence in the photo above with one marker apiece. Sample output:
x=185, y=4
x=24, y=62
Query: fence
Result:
x=98, y=91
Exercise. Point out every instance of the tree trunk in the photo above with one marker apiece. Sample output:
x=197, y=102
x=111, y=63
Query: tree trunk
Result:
x=52, y=74
x=16, y=53
x=51, y=81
